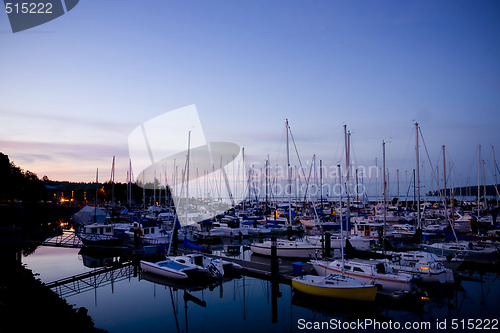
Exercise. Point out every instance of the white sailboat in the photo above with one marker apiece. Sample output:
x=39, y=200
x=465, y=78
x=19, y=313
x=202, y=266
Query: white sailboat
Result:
x=371, y=272
x=336, y=285
x=288, y=248
x=374, y=272
x=189, y=265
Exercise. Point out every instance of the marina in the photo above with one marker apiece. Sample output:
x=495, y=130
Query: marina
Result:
x=373, y=261
x=250, y=300
x=250, y=166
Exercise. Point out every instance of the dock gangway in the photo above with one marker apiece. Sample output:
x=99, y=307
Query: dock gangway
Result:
x=83, y=282
x=67, y=239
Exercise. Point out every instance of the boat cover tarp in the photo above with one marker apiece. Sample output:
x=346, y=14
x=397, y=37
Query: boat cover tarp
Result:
x=189, y=245
x=89, y=215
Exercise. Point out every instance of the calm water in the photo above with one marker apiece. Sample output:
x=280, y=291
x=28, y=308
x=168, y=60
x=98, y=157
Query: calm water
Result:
x=244, y=304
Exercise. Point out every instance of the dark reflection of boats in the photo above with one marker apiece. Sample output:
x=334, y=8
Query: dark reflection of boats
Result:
x=94, y=258
x=331, y=307
x=337, y=308
x=283, y=262
x=92, y=262
x=186, y=287
x=184, y=284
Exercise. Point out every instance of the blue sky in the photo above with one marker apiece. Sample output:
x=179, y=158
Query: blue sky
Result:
x=74, y=88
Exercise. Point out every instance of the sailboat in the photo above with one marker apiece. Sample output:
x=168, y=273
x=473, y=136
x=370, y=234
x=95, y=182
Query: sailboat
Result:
x=188, y=265
x=335, y=285
x=287, y=248
x=373, y=272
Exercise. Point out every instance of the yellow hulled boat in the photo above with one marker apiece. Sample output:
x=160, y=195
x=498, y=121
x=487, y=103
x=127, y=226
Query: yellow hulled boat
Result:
x=334, y=286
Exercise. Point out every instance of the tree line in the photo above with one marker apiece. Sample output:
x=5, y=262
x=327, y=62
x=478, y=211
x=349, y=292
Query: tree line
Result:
x=17, y=184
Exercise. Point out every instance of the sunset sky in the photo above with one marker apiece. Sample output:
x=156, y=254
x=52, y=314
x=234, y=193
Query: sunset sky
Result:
x=73, y=89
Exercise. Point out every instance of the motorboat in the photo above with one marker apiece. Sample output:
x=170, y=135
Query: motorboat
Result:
x=98, y=234
x=188, y=266
x=149, y=234
x=463, y=249
x=374, y=272
x=426, y=265
x=403, y=230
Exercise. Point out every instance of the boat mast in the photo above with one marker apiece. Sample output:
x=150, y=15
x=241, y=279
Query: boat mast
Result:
x=130, y=185
x=452, y=194
x=267, y=179
x=187, y=175
x=445, y=196
x=484, y=187
x=357, y=188
x=154, y=189
x=495, y=170
x=288, y=176
x=113, y=182
x=417, y=182
x=478, y=179
x=397, y=180
x=321, y=180
x=143, y=192
x=384, y=193
x=444, y=176
x=96, y=190
x=341, y=224
x=347, y=148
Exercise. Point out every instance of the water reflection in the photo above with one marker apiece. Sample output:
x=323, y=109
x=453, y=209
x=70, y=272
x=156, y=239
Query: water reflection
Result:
x=144, y=302
x=186, y=286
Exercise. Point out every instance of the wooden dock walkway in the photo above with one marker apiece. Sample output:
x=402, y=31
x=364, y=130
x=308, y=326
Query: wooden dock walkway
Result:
x=263, y=270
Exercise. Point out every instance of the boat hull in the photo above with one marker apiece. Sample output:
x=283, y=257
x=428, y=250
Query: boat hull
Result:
x=158, y=269
x=385, y=281
x=461, y=251
x=288, y=250
x=361, y=293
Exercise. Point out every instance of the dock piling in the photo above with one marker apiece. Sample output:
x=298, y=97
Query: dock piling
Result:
x=274, y=257
x=328, y=245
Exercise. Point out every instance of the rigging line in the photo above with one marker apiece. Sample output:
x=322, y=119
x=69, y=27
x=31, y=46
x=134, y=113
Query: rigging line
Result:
x=407, y=149
x=473, y=163
x=428, y=157
x=175, y=311
x=282, y=148
x=301, y=168
x=353, y=160
x=491, y=176
x=340, y=141
x=307, y=181
x=296, y=151
x=443, y=198
x=412, y=181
